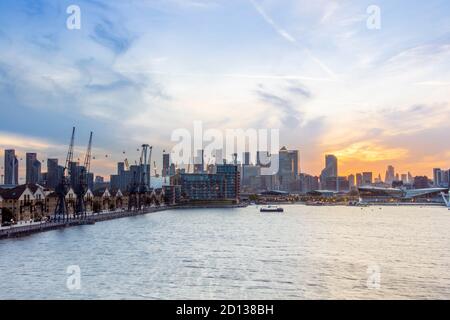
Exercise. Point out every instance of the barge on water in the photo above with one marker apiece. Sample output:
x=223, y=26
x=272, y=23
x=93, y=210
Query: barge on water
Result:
x=271, y=209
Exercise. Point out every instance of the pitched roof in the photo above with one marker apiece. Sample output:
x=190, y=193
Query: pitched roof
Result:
x=14, y=193
x=99, y=192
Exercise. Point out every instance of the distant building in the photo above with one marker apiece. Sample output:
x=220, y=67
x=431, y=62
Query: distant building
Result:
x=377, y=194
x=33, y=168
x=54, y=173
x=308, y=183
x=11, y=168
x=446, y=178
x=263, y=159
x=367, y=178
x=397, y=184
x=441, y=177
x=339, y=184
x=351, y=181
x=437, y=177
x=421, y=182
x=359, y=179
x=249, y=175
x=404, y=178
x=224, y=185
x=330, y=170
x=246, y=158
x=166, y=165
x=288, y=170
x=390, y=175
x=199, y=162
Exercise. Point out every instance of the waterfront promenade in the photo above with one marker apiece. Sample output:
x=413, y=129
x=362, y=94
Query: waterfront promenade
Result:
x=91, y=218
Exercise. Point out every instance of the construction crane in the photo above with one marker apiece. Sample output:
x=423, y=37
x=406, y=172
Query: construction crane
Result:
x=61, y=209
x=82, y=187
x=144, y=181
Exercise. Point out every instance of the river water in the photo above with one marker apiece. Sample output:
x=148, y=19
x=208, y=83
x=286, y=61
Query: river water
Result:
x=305, y=253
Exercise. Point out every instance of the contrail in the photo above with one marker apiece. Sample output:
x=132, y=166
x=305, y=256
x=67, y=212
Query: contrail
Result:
x=288, y=37
x=231, y=75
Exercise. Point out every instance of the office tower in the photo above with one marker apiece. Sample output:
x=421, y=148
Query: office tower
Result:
x=330, y=170
x=359, y=179
x=378, y=179
x=218, y=156
x=11, y=168
x=54, y=173
x=404, y=178
x=235, y=159
x=90, y=180
x=367, y=178
x=246, y=158
x=351, y=181
x=288, y=170
x=166, y=165
x=308, y=183
x=75, y=171
x=199, y=162
x=337, y=184
x=421, y=182
x=410, y=178
x=289, y=161
x=172, y=170
x=33, y=168
x=437, y=177
x=390, y=175
x=120, y=168
x=263, y=158
x=446, y=178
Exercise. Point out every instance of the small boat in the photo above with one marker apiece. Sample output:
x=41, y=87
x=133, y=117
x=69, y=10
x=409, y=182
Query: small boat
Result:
x=271, y=209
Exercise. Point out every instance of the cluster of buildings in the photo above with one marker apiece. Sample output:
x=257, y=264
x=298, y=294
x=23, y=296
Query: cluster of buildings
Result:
x=219, y=182
x=36, y=199
x=33, y=171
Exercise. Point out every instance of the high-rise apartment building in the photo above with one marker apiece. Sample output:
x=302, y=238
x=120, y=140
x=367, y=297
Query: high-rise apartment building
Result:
x=11, y=167
x=330, y=170
x=33, y=168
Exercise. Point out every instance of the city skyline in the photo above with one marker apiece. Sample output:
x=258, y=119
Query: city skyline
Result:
x=32, y=169
x=314, y=70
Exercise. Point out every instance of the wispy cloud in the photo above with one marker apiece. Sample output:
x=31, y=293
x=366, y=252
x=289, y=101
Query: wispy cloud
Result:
x=107, y=34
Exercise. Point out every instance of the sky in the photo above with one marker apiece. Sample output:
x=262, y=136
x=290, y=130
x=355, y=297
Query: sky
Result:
x=139, y=69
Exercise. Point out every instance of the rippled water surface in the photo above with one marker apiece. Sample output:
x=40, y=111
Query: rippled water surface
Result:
x=305, y=253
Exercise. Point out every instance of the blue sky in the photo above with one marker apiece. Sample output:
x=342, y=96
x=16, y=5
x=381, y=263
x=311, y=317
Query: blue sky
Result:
x=139, y=69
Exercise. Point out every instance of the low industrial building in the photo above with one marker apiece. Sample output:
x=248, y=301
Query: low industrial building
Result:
x=379, y=194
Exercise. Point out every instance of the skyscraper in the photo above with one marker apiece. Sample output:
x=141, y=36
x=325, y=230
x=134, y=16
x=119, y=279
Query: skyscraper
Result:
x=437, y=177
x=351, y=181
x=288, y=169
x=367, y=178
x=246, y=158
x=54, y=173
x=359, y=179
x=166, y=164
x=263, y=158
x=33, y=168
x=11, y=167
x=390, y=175
x=199, y=162
x=330, y=170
